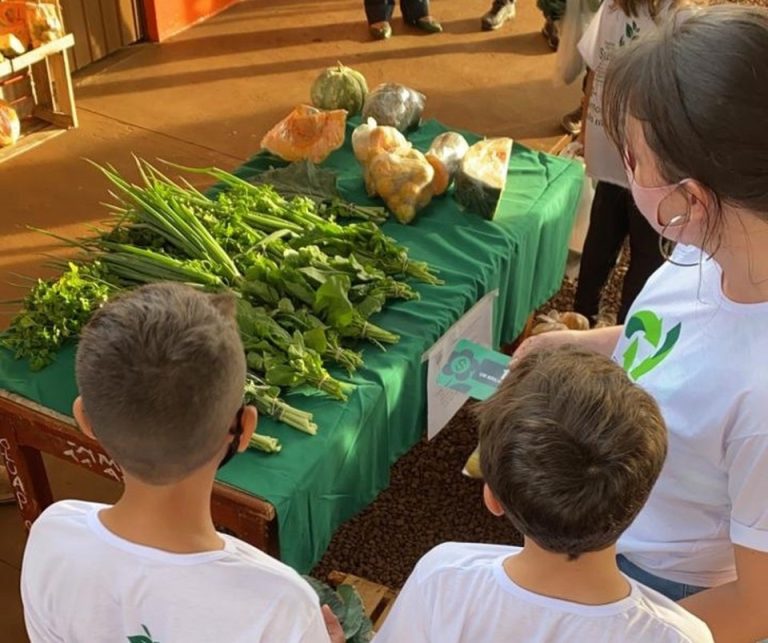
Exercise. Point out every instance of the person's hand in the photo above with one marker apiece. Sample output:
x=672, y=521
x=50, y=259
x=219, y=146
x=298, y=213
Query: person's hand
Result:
x=545, y=340
x=335, y=631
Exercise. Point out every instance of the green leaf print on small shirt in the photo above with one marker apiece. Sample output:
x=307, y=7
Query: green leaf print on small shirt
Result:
x=646, y=325
x=142, y=638
x=631, y=32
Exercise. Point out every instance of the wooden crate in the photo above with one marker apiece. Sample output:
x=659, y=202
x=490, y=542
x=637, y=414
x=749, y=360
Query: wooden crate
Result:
x=38, y=85
x=377, y=599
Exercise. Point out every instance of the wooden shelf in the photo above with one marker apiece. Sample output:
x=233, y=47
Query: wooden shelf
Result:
x=38, y=85
x=25, y=61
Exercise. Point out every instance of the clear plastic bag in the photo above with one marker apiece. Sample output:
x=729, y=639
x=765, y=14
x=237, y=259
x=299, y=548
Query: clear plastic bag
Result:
x=395, y=105
x=370, y=139
x=44, y=23
x=445, y=155
x=403, y=178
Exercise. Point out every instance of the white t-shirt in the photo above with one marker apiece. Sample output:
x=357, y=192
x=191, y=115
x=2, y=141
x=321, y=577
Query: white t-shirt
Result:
x=460, y=593
x=80, y=583
x=704, y=359
x=610, y=29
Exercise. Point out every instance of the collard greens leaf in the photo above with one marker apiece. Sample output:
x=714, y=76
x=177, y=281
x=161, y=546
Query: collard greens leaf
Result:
x=302, y=178
x=353, y=610
x=327, y=596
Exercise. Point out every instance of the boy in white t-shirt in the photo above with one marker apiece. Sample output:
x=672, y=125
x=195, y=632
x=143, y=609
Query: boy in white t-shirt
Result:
x=570, y=450
x=161, y=373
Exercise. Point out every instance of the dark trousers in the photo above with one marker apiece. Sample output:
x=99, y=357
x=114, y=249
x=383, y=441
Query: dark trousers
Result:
x=613, y=217
x=381, y=10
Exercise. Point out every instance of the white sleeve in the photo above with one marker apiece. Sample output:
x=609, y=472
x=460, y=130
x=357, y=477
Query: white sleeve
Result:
x=589, y=45
x=747, y=462
x=316, y=631
x=409, y=618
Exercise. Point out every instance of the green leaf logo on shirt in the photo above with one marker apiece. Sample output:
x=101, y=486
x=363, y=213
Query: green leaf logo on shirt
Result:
x=647, y=326
x=142, y=638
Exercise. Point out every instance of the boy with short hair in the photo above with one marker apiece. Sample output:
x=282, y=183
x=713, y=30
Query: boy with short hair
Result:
x=161, y=372
x=570, y=450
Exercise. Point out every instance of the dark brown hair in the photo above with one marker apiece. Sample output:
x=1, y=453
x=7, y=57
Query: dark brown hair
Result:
x=571, y=449
x=632, y=7
x=161, y=372
x=699, y=86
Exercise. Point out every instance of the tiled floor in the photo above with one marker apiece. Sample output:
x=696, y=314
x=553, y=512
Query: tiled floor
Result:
x=207, y=96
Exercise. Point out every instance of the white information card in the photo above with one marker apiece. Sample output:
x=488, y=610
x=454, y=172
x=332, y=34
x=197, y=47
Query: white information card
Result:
x=477, y=326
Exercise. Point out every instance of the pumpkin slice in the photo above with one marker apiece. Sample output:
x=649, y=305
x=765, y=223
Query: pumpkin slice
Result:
x=483, y=175
x=307, y=134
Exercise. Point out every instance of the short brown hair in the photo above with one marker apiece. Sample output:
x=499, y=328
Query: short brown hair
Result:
x=161, y=372
x=571, y=448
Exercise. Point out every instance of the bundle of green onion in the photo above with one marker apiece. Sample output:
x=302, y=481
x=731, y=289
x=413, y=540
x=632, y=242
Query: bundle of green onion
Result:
x=307, y=285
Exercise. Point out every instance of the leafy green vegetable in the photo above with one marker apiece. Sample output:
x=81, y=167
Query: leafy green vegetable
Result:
x=306, y=179
x=308, y=285
x=55, y=311
x=348, y=607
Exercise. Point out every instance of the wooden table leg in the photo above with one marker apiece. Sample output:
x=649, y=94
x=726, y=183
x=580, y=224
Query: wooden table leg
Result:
x=27, y=475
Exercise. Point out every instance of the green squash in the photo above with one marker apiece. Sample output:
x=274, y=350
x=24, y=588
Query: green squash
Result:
x=340, y=87
x=483, y=175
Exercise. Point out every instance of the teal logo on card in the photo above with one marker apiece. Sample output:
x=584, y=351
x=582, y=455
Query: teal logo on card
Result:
x=473, y=370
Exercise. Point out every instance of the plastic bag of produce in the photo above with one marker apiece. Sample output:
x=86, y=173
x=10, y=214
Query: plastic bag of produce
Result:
x=10, y=127
x=445, y=155
x=403, y=178
x=395, y=105
x=43, y=23
x=370, y=139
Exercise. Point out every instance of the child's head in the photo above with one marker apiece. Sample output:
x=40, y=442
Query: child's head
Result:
x=688, y=105
x=161, y=372
x=570, y=449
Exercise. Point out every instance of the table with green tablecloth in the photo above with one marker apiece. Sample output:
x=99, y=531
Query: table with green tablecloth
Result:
x=318, y=482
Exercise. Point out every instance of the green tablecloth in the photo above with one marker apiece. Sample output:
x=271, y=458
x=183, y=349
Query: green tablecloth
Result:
x=318, y=482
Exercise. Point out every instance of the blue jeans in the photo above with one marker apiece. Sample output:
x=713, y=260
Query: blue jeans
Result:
x=670, y=589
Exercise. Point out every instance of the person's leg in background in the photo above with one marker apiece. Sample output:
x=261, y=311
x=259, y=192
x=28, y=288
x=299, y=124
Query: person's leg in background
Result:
x=553, y=11
x=645, y=257
x=498, y=14
x=416, y=13
x=379, y=13
x=608, y=227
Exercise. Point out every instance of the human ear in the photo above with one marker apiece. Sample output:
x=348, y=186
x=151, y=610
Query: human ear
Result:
x=491, y=502
x=78, y=411
x=700, y=203
x=248, y=422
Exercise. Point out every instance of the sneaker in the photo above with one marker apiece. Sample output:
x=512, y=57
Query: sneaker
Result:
x=380, y=30
x=551, y=33
x=571, y=122
x=428, y=24
x=501, y=11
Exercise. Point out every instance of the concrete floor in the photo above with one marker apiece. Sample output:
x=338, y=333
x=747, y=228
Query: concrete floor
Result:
x=207, y=97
